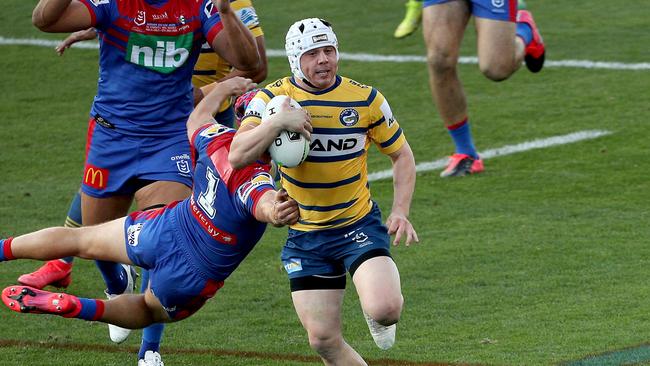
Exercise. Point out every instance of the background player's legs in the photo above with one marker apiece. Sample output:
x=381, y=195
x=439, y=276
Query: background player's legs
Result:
x=119, y=278
x=152, y=334
x=98, y=210
x=444, y=25
x=500, y=52
x=412, y=19
x=319, y=312
x=157, y=193
x=57, y=272
x=378, y=284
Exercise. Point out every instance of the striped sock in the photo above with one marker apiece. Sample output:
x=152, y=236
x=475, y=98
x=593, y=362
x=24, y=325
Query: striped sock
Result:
x=87, y=309
x=462, y=136
x=5, y=250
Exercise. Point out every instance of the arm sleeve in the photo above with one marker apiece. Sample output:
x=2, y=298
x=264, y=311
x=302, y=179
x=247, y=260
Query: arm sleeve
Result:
x=256, y=181
x=100, y=11
x=211, y=23
x=384, y=130
x=257, y=106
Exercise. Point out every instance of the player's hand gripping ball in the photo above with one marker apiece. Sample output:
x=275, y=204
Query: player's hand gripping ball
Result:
x=289, y=149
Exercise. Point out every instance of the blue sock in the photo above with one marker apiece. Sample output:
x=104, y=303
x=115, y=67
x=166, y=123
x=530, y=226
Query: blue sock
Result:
x=114, y=275
x=5, y=250
x=151, y=335
x=525, y=32
x=73, y=219
x=91, y=309
x=462, y=136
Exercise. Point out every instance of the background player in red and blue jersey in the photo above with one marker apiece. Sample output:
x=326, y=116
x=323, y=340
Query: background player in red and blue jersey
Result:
x=505, y=37
x=136, y=144
x=190, y=247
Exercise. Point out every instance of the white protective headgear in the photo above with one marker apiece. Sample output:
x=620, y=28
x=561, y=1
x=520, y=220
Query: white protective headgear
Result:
x=306, y=35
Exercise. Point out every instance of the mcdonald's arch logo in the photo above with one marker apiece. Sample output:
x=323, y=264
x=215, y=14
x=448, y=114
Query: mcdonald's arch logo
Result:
x=95, y=177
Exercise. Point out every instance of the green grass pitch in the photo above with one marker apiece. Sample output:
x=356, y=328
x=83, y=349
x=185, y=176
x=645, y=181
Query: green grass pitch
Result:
x=542, y=260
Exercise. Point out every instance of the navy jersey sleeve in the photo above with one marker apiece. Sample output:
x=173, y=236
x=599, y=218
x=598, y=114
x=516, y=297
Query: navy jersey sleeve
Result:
x=100, y=11
x=210, y=20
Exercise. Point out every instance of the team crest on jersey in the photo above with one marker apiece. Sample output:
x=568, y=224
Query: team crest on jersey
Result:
x=99, y=2
x=349, y=117
x=141, y=18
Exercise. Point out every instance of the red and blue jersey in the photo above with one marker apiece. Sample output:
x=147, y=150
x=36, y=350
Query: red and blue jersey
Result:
x=148, y=49
x=217, y=221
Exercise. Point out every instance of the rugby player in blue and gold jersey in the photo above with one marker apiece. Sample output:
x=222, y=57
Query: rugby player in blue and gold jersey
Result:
x=340, y=228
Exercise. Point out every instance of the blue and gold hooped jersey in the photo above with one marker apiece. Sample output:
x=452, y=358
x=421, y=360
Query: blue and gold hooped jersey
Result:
x=331, y=186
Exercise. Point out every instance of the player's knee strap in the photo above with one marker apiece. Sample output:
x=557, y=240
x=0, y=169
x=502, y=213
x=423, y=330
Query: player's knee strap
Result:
x=379, y=252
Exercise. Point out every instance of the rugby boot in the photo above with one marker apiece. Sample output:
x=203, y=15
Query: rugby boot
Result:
x=119, y=334
x=56, y=273
x=151, y=358
x=535, y=51
x=462, y=164
x=25, y=299
x=411, y=20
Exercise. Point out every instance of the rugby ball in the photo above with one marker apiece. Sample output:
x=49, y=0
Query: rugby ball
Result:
x=289, y=149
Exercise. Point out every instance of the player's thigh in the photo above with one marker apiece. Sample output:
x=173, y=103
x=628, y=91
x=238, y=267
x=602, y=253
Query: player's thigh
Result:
x=495, y=43
x=161, y=192
x=377, y=282
x=96, y=210
x=155, y=307
x=104, y=241
x=443, y=27
x=319, y=311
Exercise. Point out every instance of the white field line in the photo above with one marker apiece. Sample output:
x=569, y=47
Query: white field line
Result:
x=366, y=57
x=504, y=150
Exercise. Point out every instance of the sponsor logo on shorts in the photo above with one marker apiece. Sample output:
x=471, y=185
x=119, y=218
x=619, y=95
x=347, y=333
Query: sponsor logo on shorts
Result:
x=133, y=234
x=349, y=117
x=95, y=177
x=293, y=265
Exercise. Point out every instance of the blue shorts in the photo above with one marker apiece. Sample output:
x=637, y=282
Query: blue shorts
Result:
x=490, y=9
x=331, y=253
x=118, y=164
x=153, y=243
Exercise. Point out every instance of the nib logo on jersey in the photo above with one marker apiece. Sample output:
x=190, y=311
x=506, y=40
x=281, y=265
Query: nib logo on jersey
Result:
x=163, y=54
